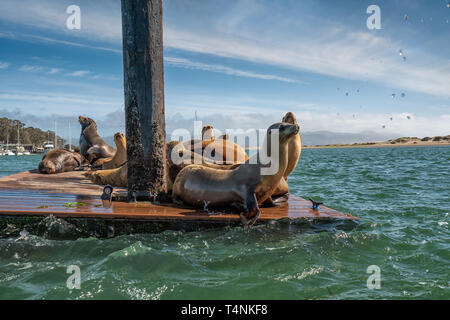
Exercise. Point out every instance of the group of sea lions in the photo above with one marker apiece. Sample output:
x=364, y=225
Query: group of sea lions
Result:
x=93, y=152
x=218, y=174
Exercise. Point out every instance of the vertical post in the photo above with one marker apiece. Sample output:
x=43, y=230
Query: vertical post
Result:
x=144, y=96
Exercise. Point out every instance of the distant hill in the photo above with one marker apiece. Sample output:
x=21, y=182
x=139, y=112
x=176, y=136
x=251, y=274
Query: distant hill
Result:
x=28, y=135
x=328, y=137
x=399, y=142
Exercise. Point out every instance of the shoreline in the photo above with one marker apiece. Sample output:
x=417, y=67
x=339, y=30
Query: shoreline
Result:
x=376, y=145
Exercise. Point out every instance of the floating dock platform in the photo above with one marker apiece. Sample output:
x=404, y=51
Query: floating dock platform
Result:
x=68, y=205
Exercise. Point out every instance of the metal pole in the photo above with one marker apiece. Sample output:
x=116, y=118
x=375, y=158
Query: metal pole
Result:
x=144, y=96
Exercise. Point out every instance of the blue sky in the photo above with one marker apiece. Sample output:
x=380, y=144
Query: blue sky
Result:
x=243, y=62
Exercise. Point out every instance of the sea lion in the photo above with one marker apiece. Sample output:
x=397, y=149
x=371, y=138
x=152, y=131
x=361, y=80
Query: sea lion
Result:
x=118, y=177
x=221, y=151
x=113, y=177
x=281, y=193
x=61, y=160
x=207, y=135
x=294, y=146
x=243, y=188
x=120, y=157
x=92, y=146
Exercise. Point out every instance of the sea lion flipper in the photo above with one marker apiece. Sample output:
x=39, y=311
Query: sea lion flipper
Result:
x=280, y=199
x=269, y=203
x=249, y=217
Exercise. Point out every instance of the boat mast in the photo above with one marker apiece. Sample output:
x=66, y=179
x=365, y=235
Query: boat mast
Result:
x=70, y=138
x=18, y=135
x=56, y=141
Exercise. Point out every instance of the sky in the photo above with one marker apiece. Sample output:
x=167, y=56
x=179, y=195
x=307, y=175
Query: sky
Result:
x=238, y=63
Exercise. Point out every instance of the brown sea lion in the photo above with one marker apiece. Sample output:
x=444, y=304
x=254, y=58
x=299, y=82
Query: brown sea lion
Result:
x=120, y=157
x=281, y=193
x=114, y=177
x=92, y=146
x=61, y=160
x=243, y=188
x=221, y=151
x=207, y=135
x=118, y=177
x=294, y=146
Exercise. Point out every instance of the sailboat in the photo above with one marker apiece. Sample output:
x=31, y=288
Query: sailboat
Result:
x=7, y=152
x=48, y=145
x=19, y=148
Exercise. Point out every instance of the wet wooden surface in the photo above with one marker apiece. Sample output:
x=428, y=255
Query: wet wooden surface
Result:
x=33, y=194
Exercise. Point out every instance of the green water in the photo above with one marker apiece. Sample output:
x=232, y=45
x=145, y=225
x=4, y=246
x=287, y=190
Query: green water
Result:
x=400, y=194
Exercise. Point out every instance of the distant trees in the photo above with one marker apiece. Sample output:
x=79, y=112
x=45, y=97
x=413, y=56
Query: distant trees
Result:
x=30, y=135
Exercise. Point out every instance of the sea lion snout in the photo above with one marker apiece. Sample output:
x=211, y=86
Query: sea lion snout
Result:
x=289, y=118
x=208, y=132
x=289, y=128
x=118, y=136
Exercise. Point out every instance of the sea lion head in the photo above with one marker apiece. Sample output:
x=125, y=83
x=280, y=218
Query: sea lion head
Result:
x=174, y=146
x=47, y=167
x=289, y=118
x=286, y=130
x=119, y=139
x=208, y=132
x=86, y=122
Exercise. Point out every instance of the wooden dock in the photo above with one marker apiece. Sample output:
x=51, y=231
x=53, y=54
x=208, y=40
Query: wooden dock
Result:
x=40, y=200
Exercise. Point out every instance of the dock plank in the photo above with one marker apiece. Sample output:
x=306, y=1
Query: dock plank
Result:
x=33, y=194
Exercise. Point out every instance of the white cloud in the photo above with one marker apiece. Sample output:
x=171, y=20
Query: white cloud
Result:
x=332, y=50
x=55, y=97
x=54, y=71
x=4, y=65
x=79, y=73
x=185, y=63
x=28, y=68
x=348, y=55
